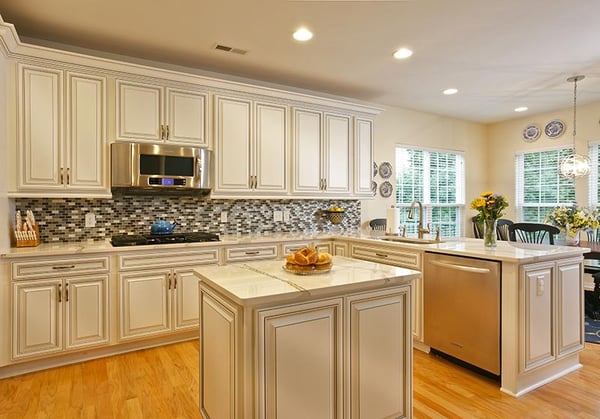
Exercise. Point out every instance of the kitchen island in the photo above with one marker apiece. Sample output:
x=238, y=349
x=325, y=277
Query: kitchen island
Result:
x=334, y=344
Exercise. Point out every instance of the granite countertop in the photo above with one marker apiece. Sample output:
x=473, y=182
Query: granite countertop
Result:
x=265, y=281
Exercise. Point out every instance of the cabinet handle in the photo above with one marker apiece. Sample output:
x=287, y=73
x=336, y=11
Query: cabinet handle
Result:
x=63, y=267
x=174, y=281
x=67, y=292
x=255, y=252
x=169, y=279
x=255, y=182
x=324, y=184
x=68, y=175
x=62, y=176
x=381, y=255
x=166, y=132
x=162, y=132
x=59, y=293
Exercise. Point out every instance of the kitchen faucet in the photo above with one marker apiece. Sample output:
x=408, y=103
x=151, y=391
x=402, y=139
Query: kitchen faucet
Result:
x=422, y=230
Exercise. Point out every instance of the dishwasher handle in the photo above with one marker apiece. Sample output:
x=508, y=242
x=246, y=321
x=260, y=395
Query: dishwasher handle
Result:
x=462, y=268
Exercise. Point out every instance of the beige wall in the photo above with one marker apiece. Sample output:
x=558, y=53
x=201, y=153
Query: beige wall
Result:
x=505, y=140
x=401, y=126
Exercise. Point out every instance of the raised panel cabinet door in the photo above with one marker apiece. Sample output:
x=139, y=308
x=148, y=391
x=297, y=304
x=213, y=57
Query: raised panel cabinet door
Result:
x=537, y=316
x=417, y=310
x=363, y=156
x=340, y=249
x=300, y=361
x=86, y=146
x=37, y=318
x=307, y=151
x=139, y=111
x=337, y=153
x=87, y=311
x=232, y=133
x=144, y=301
x=270, y=155
x=186, y=117
x=40, y=128
x=185, y=289
x=379, y=355
x=570, y=330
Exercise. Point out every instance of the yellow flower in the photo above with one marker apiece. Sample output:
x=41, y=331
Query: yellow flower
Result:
x=489, y=205
x=486, y=194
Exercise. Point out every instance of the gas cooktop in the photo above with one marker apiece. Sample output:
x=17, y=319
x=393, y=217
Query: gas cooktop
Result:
x=141, y=239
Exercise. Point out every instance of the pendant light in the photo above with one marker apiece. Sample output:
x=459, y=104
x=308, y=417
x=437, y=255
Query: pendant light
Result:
x=575, y=165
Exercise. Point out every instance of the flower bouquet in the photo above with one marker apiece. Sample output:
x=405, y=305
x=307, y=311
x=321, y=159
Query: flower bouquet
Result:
x=490, y=207
x=573, y=219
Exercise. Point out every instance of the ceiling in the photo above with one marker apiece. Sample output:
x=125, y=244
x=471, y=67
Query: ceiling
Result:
x=498, y=54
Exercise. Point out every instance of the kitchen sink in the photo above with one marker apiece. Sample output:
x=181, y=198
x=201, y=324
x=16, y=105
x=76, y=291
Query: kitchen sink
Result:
x=415, y=240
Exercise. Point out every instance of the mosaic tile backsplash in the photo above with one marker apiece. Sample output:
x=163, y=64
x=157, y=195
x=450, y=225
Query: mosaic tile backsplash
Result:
x=63, y=220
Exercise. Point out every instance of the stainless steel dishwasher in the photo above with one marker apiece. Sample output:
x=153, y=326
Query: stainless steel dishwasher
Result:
x=461, y=298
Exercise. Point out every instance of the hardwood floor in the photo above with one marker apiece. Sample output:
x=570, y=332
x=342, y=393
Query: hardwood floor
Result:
x=163, y=383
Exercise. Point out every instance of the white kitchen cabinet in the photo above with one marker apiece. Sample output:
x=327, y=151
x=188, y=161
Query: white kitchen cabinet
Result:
x=155, y=113
x=55, y=315
x=251, y=147
x=570, y=333
x=322, y=150
x=62, y=148
x=363, y=156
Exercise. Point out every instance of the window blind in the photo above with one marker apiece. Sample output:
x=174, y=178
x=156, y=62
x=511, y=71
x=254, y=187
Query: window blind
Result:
x=594, y=193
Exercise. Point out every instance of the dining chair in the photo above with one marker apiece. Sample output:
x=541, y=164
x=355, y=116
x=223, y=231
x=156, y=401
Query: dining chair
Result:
x=532, y=232
x=592, y=235
x=477, y=228
x=378, y=224
x=501, y=228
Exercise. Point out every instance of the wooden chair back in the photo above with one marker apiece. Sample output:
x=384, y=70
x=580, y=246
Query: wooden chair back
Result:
x=532, y=232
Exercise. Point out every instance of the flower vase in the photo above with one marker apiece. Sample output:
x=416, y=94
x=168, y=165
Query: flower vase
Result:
x=572, y=238
x=489, y=232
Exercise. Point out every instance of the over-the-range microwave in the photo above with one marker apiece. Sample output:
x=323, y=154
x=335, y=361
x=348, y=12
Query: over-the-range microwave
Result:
x=156, y=168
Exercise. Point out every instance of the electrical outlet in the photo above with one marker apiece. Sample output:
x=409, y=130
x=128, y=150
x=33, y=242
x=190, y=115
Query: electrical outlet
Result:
x=286, y=216
x=223, y=216
x=90, y=219
x=277, y=216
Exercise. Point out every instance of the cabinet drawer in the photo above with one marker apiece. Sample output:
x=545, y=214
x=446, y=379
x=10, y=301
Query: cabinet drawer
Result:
x=234, y=254
x=60, y=267
x=387, y=255
x=293, y=247
x=161, y=259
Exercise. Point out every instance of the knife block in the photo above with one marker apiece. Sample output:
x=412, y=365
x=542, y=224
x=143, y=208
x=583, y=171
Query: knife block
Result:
x=24, y=241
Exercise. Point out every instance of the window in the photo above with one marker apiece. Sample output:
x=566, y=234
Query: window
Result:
x=540, y=187
x=594, y=154
x=436, y=178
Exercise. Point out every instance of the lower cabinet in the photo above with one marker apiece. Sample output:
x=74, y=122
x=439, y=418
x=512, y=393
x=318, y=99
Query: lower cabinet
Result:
x=339, y=357
x=54, y=315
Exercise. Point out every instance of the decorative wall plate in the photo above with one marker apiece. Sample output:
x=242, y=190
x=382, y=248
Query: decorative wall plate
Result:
x=554, y=129
x=386, y=189
x=374, y=187
x=374, y=169
x=531, y=133
x=385, y=170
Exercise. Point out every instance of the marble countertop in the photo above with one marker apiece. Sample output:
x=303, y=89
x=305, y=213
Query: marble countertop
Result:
x=260, y=282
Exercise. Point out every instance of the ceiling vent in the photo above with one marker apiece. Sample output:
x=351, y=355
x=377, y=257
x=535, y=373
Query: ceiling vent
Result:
x=230, y=49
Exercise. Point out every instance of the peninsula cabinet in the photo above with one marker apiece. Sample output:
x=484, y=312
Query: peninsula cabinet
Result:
x=322, y=151
x=62, y=148
x=251, y=148
x=154, y=113
x=56, y=307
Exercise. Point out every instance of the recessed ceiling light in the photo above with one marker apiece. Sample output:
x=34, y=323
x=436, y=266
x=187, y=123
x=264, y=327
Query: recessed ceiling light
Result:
x=402, y=53
x=450, y=91
x=521, y=109
x=302, y=34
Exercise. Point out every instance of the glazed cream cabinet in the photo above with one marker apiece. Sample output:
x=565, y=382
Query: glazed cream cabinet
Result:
x=251, y=147
x=158, y=292
x=363, y=157
x=59, y=305
x=156, y=113
x=62, y=147
x=322, y=150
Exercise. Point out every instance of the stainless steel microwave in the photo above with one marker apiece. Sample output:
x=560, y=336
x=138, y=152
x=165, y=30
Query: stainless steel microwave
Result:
x=156, y=168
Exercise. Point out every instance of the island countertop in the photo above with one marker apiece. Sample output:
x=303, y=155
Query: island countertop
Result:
x=266, y=281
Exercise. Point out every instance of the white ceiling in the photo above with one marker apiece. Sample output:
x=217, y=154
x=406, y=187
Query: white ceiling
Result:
x=500, y=54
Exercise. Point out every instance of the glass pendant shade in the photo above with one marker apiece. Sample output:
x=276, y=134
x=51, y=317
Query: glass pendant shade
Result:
x=575, y=165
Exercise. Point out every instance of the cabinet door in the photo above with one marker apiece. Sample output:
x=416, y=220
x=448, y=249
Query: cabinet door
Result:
x=144, y=301
x=270, y=148
x=337, y=154
x=185, y=289
x=300, y=357
x=232, y=133
x=85, y=140
x=37, y=317
x=363, y=156
x=536, y=292
x=569, y=285
x=139, y=111
x=340, y=249
x=40, y=128
x=379, y=356
x=87, y=311
x=307, y=151
x=186, y=117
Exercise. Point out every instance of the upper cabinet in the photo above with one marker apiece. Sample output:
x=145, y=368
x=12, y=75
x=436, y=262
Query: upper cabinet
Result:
x=62, y=149
x=363, y=156
x=250, y=147
x=155, y=113
x=322, y=150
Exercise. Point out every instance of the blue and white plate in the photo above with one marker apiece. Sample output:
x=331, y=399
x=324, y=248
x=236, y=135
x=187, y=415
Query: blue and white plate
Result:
x=554, y=129
x=374, y=169
x=385, y=170
x=386, y=189
x=374, y=187
x=531, y=133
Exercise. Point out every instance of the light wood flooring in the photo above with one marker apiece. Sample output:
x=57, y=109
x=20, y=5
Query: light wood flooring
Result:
x=163, y=383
